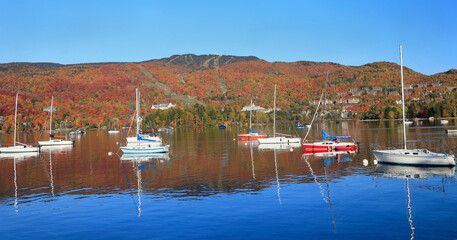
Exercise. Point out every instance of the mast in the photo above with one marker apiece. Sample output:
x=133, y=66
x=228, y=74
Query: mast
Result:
x=250, y=117
x=402, y=98
x=325, y=101
x=15, y=119
x=274, y=114
x=50, y=119
x=137, y=112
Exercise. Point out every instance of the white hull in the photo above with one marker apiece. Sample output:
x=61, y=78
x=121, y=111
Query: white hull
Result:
x=278, y=146
x=113, y=131
x=19, y=149
x=142, y=149
x=54, y=142
x=414, y=157
x=278, y=140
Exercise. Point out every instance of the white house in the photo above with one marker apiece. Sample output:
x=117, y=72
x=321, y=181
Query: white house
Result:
x=163, y=106
x=253, y=108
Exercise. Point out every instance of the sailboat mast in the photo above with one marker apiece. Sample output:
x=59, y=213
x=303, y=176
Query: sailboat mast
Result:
x=402, y=97
x=50, y=119
x=274, y=114
x=15, y=120
x=137, y=112
x=250, y=117
x=325, y=101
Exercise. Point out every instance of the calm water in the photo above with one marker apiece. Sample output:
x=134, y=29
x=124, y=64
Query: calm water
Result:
x=212, y=186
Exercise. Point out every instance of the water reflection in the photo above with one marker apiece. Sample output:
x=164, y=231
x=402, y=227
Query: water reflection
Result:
x=412, y=172
x=141, y=162
x=17, y=157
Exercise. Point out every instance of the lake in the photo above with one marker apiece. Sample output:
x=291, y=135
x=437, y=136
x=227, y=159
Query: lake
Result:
x=212, y=186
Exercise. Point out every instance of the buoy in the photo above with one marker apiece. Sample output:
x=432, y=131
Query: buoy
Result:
x=245, y=144
x=291, y=149
x=365, y=162
x=375, y=162
x=117, y=142
x=234, y=139
x=110, y=153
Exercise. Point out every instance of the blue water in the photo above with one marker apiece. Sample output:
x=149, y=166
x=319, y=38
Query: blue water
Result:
x=209, y=187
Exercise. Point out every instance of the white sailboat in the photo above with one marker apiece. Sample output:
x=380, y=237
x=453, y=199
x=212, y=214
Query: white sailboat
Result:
x=53, y=142
x=412, y=156
x=143, y=145
x=275, y=139
x=21, y=148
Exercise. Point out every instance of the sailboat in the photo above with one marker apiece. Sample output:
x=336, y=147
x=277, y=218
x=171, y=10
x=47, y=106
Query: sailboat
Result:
x=53, y=142
x=252, y=134
x=327, y=145
x=412, y=156
x=143, y=144
x=275, y=139
x=21, y=148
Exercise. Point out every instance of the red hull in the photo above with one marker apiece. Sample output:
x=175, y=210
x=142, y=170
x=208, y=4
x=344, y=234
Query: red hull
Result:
x=251, y=137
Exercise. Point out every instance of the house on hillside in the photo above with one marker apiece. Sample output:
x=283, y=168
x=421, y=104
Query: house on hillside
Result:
x=408, y=86
x=253, y=108
x=421, y=85
x=377, y=89
x=353, y=100
x=48, y=109
x=437, y=84
x=163, y=106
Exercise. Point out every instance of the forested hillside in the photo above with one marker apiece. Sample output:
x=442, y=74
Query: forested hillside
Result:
x=94, y=95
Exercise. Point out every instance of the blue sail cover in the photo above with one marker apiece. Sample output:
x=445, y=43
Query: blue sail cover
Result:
x=250, y=130
x=326, y=135
x=144, y=139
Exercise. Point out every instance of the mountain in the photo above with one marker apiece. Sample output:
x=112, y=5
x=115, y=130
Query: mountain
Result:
x=95, y=92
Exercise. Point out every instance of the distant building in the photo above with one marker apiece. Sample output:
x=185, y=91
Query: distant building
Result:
x=48, y=109
x=353, y=100
x=437, y=84
x=377, y=89
x=372, y=92
x=393, y=93
x=163, y=106
x=408, y=86
x=420, y=85
x=253, y=108
x=340, y=94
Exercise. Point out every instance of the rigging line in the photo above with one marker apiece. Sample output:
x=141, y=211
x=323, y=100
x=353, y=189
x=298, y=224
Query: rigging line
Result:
x=126, y=124
x=315, y=113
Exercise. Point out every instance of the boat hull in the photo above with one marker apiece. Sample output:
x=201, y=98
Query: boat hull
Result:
x=278, y=140
x=144, y=149
x=251, y=136
x=330, y=146
x=19, y=149
x=55, y=142
x=413, y=157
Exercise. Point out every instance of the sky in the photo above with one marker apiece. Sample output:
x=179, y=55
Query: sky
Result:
x=346, y=32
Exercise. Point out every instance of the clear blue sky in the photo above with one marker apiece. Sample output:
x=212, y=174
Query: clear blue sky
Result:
x=346, y=32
